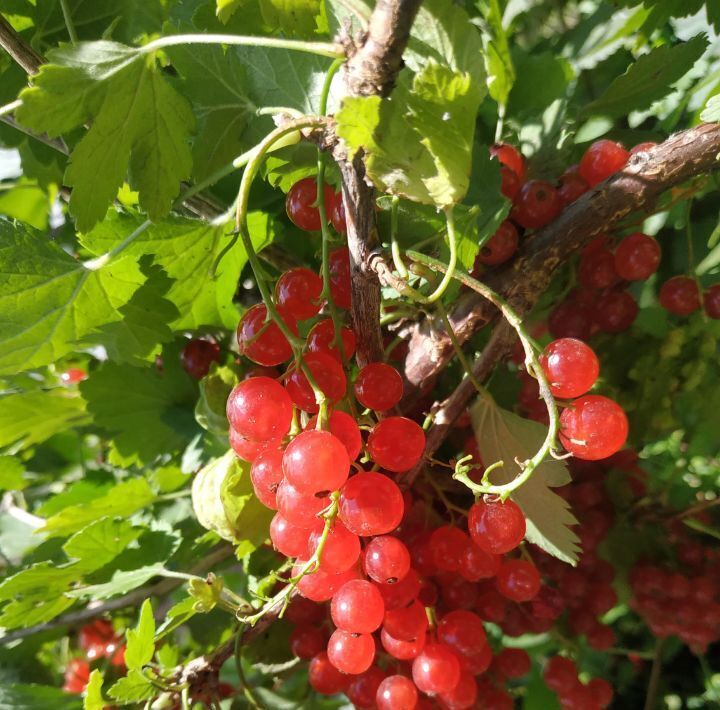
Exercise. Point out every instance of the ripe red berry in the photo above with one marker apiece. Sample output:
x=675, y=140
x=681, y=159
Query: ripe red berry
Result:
x=396, y=444
x=259, y=409
x=249, y=449
x=301, y=204
x=537, y=204
x=570, y=366
x=345, y=428
x=642, y=147
x=500, y=247
x=402, y=650
x=329, y=376
x=320, y=586
x=570, y=320
x=316, y=461
x=680, y=295
x=378, y=386
x=711, y=301
x=572, y=186
x=601, y=160
x=324, y=677
x=593, y=428
x=599, y=688
x=269, y=347
x=387, y=559
x=401, y=593
x=637, y=257
x=476, y=564
x=477, y=663
x=351, y=653
x=75, y=374
x=336, y=212
x=560, y=674
x=307, y=641
x=511, y=157
x=510, y=183
x=266, y=474
x=447, y=547
x=496, y=527
x=321, y=338
x=371, y=504
x=396, y=692
x=339, y=264
x=297, y=293
x=98, y=639
x=358, y=607
x=464, y=695
x=436, y=669
x=518, y=580
x=615, y=311
x=597, y=269
x=512, y=663
x=77, y=675
x=299, y=508
x=463, y=631
x=407, y=623
x=341, y=550
x=196, y=358
x=289, y=539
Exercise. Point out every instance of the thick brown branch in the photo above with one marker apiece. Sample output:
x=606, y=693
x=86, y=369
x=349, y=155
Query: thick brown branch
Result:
x=18, y=49
x=636, y=188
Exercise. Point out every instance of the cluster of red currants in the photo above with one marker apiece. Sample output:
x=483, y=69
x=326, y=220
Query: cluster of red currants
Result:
x=98, y=640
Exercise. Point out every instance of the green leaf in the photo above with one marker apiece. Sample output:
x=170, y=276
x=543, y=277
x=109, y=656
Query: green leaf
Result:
x=147, y=412
x=176, y=616
x=50, y=301
x=214, y=391
x=299, y=18
x=29, y=612
x=101, y=542
x=649, y=78
x=11, y=474
x=93, y=692
x=226, y=8
x=140, y=644
x=38, y=582
x=123, y=500
x=26, y=202
x=711, y=112
x=133, y=688
x=139, y=123
x=206, y=593
x=542, y=77
x=19, y=696
x=498, y=61
x=503, y=436
x=120, y=583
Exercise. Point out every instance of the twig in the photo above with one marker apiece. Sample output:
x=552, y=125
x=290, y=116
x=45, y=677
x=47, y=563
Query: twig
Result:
x=655, y=675
x=18, y=49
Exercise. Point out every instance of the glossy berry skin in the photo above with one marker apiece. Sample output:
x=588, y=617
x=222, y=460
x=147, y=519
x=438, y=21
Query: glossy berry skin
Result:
x=289, y=539
x=370, y=504
x=680, y=295
x=500, y=247
x=597, y=269
x=512, y=663
x=324, y=677
x=98, y=639
x=306, y=641
x=615, y=311
x=345, y=428
x=266, y=474
x=259, y=409
x=269, y=348
x=341, y=550
x=537, y=204
x=339, y=264
x=711, y=301
x=463, y=695
x=570, y=366
x=299, y=508
x=402, y=593
x=316, y=461
x=476, y=564
x=319, y=586
x=560, y=674
x=572, y=186
x=436, y=669
x=407, y=623
x=463, y=631
x=328, y=374
x=74, y=375
x=386, y=559
x=637, y=257
x=196, y=357
x=297, y=293
x=593, y=428
x=301, y=207
x=447, y=546
x=396, y=692
x=511, y=157
x=351, y=653
x=77, y=675
x=601, y=690
x=336, y=212
x=363, y=687
x=358, y=607
x=321, y=338
x=378, y=386
x=518, y=580
x=249, y=449
x=510, y=183
x=601, y=160
x=496, y=527
x=396, y=444
x=402, y=650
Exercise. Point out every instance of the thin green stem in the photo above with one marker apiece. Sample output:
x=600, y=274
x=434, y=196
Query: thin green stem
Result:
x=68, y=21
x=450, y=272
x=394, y=245
x=500, y=125
x=185, y=697
x=273, y=110
x=655, y=676
x=9, y=108
x=459, y=351
x=246, y=687
x=324, y=49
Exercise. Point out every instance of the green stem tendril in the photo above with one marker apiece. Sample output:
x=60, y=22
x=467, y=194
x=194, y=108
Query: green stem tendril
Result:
x=395, y=247
x=67, y=16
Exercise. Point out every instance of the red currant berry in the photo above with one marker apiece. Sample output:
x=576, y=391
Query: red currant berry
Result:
x=463, y=631
x=358, y=607
x=711, y=301
x=511, y=157
x=597, y=269
x=341, y=550
x=299, y=508
x=447, y=547
x=463, y=695
x=476, y=564
x=496, y=527
x=400, y=594
x=378, y=386
x=330, y=378
x=436, y=669
x=321, y=338
x=324, y=678
x=600, y=689
x=75, y=374
x=320, y=586
x=396, y=443
x=570, y=320
x=572, y=186
x=560, y=675
x=593, y=428
x=316, y=461
x=98, y=639
x=600, y=637
x=680, y=295
x=351, y=653
x=537, y=204
x=477, y=663
x=371, y=504
x=387, y=559
x=615, y=311
x=642, y=147
x=637, y=257
x=297, y=293
x=259, y=409
x=289, y=539
x=304, y=611
x=269, y=347
x=301, y=204
x=601, y=160
x=307, y=641
x=339, y=264
x=345, y=428
x=570, y=366
x=512, y=663
x=406, y=624
x=500, y=247
x=510, y=183
x=402, y=650
x=249, y=449
x=518, y=580
x=196, y=357
x=266, y=474
x=363, y=687
x=396, y=692
x=77, y=675
x=336, y=212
